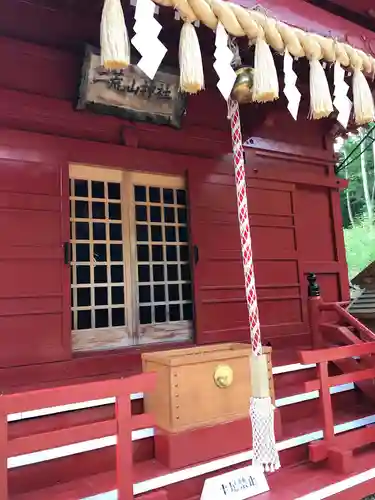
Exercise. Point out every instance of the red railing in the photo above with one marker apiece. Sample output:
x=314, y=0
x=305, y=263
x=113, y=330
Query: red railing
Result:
x=122, y=426
x=338, y=449
x=342, y=317
x=338, y=307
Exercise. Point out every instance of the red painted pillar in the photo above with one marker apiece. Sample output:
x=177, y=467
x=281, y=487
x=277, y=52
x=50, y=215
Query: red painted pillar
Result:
x=326, y=402
x=3, y=454
x=124, y=448
x=313, y=305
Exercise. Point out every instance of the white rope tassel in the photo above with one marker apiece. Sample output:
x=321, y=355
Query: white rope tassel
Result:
x=114, y=40
x=190, y=58
x=262, y=415
x=266, y=83
x=362, y=99
x=265, y=453
x=321, y=105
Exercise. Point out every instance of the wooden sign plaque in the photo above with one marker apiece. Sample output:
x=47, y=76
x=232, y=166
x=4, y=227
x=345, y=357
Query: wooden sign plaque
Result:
x=130, y=94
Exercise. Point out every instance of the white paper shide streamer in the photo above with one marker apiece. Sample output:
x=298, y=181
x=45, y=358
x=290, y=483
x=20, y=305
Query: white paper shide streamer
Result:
x=114, y=40
x=291, y=91
x=146, y=39
x=341, y=100
x=190, y=59
x=222, y=65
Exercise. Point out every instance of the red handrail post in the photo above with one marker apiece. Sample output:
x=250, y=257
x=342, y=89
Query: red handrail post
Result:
x=325, y=401
x=3, y=454
x=314, y=302
x=124, y=448
x=314, y=311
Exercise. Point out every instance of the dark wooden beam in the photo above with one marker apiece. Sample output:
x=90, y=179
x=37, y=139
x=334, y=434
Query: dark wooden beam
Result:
x=355, y=17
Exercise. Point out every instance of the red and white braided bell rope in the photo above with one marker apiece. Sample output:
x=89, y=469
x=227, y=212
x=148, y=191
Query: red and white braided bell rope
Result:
x=261, y=408
x=243, y=217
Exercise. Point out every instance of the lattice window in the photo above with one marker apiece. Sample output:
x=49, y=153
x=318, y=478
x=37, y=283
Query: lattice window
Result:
x=130, y=277
x=164, y=282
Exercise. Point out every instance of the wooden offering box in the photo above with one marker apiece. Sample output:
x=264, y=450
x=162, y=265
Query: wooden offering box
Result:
x=187, y=396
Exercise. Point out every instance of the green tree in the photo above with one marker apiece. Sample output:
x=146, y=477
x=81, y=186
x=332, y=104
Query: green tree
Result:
x=357, y=164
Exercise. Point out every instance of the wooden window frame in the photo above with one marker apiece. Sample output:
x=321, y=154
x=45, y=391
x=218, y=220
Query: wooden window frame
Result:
x=127, y=180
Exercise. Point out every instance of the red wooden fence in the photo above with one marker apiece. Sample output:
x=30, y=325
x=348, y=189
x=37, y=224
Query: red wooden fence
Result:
x=340, y=309
x=318, y=325
x=338, y=449
x=122, y=425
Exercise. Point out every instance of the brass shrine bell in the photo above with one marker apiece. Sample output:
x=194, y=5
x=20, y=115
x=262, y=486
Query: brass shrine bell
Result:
x=243, y=87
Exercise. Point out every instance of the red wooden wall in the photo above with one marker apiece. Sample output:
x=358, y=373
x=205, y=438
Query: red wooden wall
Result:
x=293, y=198
x=34, y=306
x=296, y=229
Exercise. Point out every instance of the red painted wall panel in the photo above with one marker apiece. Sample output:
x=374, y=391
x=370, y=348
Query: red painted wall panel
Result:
x=30, y=276
x=273, y=242
x=313, y=205
x=278, y=272
x=219, y=282
x=218, y=276
x=293, y=233
x=30, y=338
x=286, y=311
x=224, y=315
x=32, y=295
x=269, y=202
x=10, y=219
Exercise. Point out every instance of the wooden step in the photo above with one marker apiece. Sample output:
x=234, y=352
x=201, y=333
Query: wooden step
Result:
x=290, y=482
x=287, y=383
x=70, y=468
x=340, y=450
x=26, y=432
x=305, y=408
